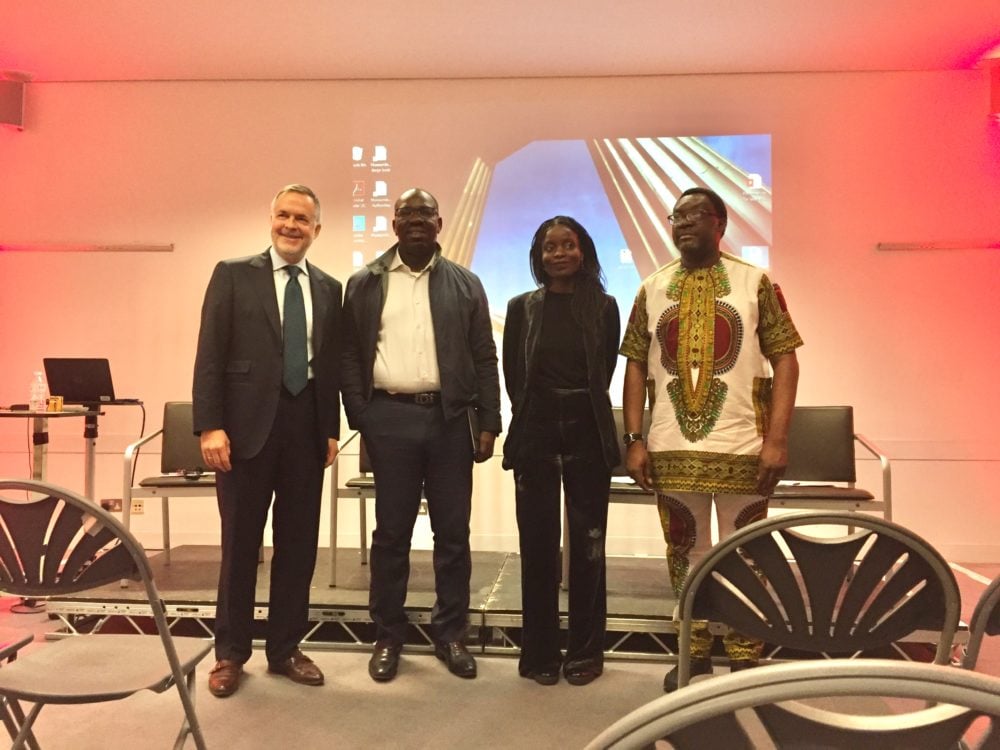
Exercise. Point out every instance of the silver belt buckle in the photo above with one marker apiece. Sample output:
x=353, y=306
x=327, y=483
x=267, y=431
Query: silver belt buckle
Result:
x=423, y=399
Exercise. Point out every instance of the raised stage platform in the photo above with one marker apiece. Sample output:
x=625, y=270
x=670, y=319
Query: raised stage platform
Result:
x=640, y=609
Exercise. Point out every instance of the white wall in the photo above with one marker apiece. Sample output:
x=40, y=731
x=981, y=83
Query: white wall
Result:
x=910, y=339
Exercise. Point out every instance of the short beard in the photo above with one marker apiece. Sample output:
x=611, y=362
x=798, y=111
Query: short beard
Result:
x=695, y=257
x=419, y=252
x=417, y=247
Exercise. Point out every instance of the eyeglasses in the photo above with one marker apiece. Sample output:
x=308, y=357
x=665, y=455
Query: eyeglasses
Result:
x=693, y=216
x=425, y=212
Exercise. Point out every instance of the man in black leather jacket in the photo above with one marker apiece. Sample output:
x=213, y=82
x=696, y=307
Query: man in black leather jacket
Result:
x=419, y=374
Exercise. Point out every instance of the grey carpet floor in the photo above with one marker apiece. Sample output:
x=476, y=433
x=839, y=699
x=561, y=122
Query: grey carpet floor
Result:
x=424, y=707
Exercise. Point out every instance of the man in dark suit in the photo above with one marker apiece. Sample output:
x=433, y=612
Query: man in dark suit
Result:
x=420, y=373
x=267, y=410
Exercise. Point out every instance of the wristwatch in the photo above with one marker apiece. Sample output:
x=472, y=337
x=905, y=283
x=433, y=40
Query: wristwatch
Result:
x=631, y=437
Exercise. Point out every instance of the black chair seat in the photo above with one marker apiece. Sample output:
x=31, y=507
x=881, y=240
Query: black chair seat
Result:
x=183, y=471
x=174, y=480
x=820, y=492
x=361, y=483
x=628, y=491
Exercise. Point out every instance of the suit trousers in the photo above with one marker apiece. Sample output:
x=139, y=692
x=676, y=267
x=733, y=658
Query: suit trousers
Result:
x=415, y=451
x=565, y=446
x=290, y=468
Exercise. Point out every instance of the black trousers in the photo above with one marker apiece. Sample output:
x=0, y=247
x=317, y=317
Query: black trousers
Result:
x=290, y=468
x=414, y=451
x=565, y=448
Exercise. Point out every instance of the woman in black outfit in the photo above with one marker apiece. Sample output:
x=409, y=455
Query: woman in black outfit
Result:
x=560, y=346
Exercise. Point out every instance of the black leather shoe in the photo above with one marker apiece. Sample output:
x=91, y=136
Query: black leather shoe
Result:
x=460, y=662
x=582, y=675
x=699, y=665
x=544, y=676
x=384, y=663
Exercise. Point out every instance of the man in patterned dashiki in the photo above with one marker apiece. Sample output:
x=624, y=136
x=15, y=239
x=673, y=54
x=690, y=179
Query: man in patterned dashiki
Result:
x=712, y=335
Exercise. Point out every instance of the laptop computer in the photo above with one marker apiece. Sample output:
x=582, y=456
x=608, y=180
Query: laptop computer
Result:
x=81, y=380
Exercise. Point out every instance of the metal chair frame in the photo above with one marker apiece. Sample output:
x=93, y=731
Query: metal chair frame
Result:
x=713, y=714
x=821, y=473
x=985, y=621
x=863, y=590
x=56, y=543
x=182, y=472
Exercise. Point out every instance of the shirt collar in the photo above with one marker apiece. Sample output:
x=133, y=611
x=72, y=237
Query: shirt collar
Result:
x=278, y=263
x=396, y=263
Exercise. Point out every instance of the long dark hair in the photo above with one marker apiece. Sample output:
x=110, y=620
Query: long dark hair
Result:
x=588, y=297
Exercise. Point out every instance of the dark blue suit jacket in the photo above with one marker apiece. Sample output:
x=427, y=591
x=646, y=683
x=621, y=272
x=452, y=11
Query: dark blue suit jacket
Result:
x=238, y=367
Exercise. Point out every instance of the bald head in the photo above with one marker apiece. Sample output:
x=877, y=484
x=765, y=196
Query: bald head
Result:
x=416, y=224
x=416, y=193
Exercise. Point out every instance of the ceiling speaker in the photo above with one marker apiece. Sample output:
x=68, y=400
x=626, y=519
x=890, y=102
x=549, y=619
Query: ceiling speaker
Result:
x=12, y=103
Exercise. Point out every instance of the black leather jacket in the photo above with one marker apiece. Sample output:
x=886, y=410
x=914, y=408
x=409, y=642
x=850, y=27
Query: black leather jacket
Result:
x=463, y=333
x=522, y=331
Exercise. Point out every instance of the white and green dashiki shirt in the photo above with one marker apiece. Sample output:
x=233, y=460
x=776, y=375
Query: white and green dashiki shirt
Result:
x=705, y=335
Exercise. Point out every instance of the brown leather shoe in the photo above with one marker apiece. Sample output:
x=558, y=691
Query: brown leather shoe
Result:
x=298, y=668
x=224, y=678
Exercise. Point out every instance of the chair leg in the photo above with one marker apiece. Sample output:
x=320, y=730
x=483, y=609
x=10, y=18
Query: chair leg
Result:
x=363, y=504
x=6, y=714
x=165, y=506
x=565, y=550
x=25, y=735
x=334, y=510
x=14, y=709
x=126, y=519
x=190, y=724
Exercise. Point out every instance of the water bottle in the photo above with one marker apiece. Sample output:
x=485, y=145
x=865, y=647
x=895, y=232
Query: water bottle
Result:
x=39, y=393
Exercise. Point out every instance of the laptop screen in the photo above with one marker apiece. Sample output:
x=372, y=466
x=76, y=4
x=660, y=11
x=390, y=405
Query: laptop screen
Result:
x=79, y=380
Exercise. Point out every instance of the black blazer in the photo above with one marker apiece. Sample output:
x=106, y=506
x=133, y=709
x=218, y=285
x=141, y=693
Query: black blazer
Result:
x=521, y=334
x=238, y=367
x=463, y=335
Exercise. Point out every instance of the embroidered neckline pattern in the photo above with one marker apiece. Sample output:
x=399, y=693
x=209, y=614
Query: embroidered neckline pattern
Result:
x=697, y=407
x=719, y=278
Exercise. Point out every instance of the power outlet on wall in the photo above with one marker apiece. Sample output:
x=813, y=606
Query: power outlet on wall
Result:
x=137, y=506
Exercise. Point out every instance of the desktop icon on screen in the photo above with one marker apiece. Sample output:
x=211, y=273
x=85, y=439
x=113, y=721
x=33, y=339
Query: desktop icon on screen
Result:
x=381, y=190
x=359, y=188
x=359, y=223
x=381, y=224
x=379, y=154
x=754, y=181
x=357, y=153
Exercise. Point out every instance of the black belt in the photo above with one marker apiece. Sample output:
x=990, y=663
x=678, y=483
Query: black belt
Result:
x=428, y=398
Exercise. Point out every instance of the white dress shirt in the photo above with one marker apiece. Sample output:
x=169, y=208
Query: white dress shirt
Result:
x=405, y=354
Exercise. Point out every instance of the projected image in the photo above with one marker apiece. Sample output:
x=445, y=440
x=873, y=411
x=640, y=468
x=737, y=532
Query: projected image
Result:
x=622, y=191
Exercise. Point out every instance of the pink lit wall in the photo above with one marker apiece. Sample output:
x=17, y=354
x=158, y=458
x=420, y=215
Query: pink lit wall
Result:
x=908, y=338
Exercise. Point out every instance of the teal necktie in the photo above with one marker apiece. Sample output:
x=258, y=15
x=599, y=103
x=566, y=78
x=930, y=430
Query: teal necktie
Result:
x=296, y=362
